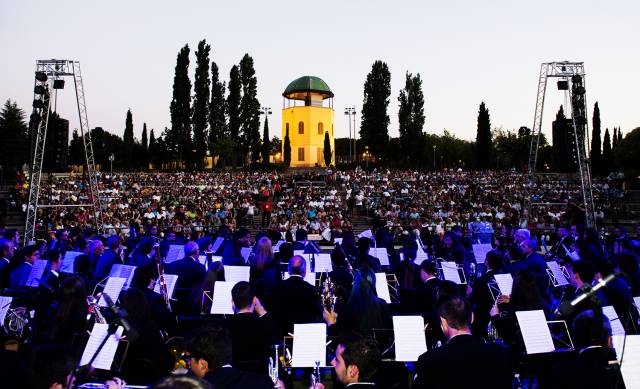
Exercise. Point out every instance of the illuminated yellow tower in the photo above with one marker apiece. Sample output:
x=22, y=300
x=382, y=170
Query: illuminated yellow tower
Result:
x=307, y=114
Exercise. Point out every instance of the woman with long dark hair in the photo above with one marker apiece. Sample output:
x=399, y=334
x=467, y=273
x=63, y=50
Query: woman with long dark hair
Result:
x=70, y=314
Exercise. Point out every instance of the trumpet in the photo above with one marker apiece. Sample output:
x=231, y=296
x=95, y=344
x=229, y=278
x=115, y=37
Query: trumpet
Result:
x=273, y=368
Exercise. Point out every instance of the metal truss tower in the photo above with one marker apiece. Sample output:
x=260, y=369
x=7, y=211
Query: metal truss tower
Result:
x=572, y=75
x=50, y=75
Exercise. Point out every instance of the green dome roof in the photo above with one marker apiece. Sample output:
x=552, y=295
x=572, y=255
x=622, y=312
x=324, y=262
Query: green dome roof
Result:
x=307, y=84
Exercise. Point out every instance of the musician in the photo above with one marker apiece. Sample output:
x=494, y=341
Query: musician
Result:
x=265, y=271
x=6, y=254
x=51, y=278
x=189, y=270
x=559, y=249
x=365, y=260
x=69, y=316
x=618, y=294
x=210, y=353
x=302, y=243
x=252, y=329
x=628, y=264
x=110, y=257
x=464, y=361
x=356, y=363
x=143, y=254
x=296, y=301
x=199, y=304
x=231, y=254
x=481, y=295
x=429, y=287
x=144, y=280
x=340, y=274
x=20, y=274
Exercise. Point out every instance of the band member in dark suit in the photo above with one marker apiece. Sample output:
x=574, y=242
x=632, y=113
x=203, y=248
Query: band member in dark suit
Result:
x=231, y=255
x=356, y=363
x=110, y=257
x=190, y=272
x=296, y=301
x=143, y=254
x=6, y=254
x=536, y=263
x=481, y=297
x=464, y=361
x=210, y=351
x=20, y=274
x=252, y=329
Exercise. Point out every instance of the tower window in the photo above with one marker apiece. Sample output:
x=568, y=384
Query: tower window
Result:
x=301, y=154
x=320, y=128
x=301, y=128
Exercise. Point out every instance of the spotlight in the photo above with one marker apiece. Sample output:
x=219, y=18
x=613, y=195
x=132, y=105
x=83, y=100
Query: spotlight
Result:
x=38, y=104
x=58, y=84
x=35, y=118
x=579, y=90
x=41, y=76
x=563, y=85
x=576, y=79
x=39, y=90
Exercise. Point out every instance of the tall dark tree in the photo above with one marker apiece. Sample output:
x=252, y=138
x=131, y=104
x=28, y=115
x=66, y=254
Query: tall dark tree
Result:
x=14, y=136
x=217, y=107
x=374, y=127
x=286, y=150
x=233, y=108
x=411, y=119
x=153, y=149
x=596, y=142
x=619, y=136
x=614, y=140
x=178, y=139
x=250, y=108
x=607, y=155
x=76, y=149
x=266, y=142
x=327, y=150
x=127, y=149
x=484, y=145
x=563, y=144
x=145, y=140
x=201, y=88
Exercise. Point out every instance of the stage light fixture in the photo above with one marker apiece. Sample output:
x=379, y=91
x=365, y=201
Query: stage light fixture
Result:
x=41, y=76
x=563, y=85
x=576, y=79
x=39, y=90
x=38, y=104
x=58, y=84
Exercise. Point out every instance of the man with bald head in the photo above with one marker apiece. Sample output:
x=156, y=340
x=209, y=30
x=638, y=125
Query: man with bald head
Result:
x=296, y=301
x=189, y=270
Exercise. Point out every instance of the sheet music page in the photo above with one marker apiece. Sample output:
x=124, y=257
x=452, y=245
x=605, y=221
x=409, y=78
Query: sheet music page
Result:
x=557, y=273
x=298, y=252
x=636, y=301
x=382, y=287
x=123, y=271
x=381, y=254
x=203, y=259
x=410, y=338
x=37, y=270
x=245, y=252
x=505, y=283
x=309, y=344
x=630, y=367
x=366, y=234
x=236, y=274
x=104, y=360
x=616, y=325
x=309, y=277
x=176, y=251
x=337, y=240
x=480, y=251
x=112, y=289
x=450, y=272
x=221, y=303
x=68, y=260
x=535, y=332
x=5, y=304
x=216, y=245
x=170, y=280
x=421, y=256
x=323, y=263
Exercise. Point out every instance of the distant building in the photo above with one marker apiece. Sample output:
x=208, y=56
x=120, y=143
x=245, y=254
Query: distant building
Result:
x=307, y=114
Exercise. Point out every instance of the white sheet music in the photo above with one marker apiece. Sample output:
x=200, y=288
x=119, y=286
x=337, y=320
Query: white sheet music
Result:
x=112, y=289
x=68, y=260
x=616, y=325
x=309, y=277
x=170, y=280
x=309, y=344
x=221, y=303
x=337, y=240
x=480, y=251
x=203, y=259
x=561, y=280
x=535, y=332
x=366, y=234
x=505, y=283
x=421, y=256
x=380, y=253
x=37, y=270
x=636, y=301
x=236, y=274
x=245, y=252
x=630, y=367
x=450, y=272
x=409, y=336
x=382, y=287
x=5, y=304
x=176, y=251
x=104, y=360
x=298, y=252
x=123, y=271
x=216, y=245
x=323, y=262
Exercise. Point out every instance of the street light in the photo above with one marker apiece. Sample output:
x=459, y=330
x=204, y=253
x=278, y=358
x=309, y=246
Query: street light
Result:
x=111, y=158
x=434, y=157
x=366, y=156
x=351, y=111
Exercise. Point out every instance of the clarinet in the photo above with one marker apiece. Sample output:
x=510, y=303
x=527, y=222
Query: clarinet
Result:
x=163, y=283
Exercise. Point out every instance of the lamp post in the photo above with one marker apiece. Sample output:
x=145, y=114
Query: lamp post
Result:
x=111, y=158
x=366, y=156
x=434, y=157
x=351, y=111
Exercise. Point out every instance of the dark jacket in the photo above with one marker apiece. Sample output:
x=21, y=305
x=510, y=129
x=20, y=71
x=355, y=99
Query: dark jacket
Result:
x=189, y=271
x=232, y=378
x=296, y=301
x=252, y=337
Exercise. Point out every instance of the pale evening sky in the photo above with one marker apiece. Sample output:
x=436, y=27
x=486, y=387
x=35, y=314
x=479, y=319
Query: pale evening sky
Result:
x=466, y=52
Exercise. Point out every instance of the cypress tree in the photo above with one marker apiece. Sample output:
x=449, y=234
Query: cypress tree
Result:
x=619, y=136
x=286, y=152
x=327, y=150
x=266, y=143
x=484, y=146
x=178, y=139
x=411, y=118
x=614, y=140
x=14, y=135
x=596, y=142
x=201, y=88
x=607, y=155
x=127, y=158
x=233, y=108
x=249, y=109
x=145, y=141
x=374, y=131
x=217, y=107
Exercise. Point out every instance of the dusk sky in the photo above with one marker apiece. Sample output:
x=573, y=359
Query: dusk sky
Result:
x=465, y=51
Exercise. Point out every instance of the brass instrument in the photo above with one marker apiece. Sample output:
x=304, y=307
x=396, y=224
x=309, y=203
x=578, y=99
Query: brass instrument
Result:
x=273, y=368
x=95, y=308
x=16, y=321
x=328, y=294
x=163, y=283
x=315, y=376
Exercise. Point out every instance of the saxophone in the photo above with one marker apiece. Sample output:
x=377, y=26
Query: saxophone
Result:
x=163, y=283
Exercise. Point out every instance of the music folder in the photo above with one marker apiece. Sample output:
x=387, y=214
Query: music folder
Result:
x=535, y=332
x=174, y=253
x=112, y=288
x=505, y=283
x=309, y=344
x=123, y=271
x=221, y=303
x=616, y=326
x=450, y=272
x=104, y=360
x=409, y=336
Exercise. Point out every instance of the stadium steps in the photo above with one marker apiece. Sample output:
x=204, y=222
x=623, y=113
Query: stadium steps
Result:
x=15, y=218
